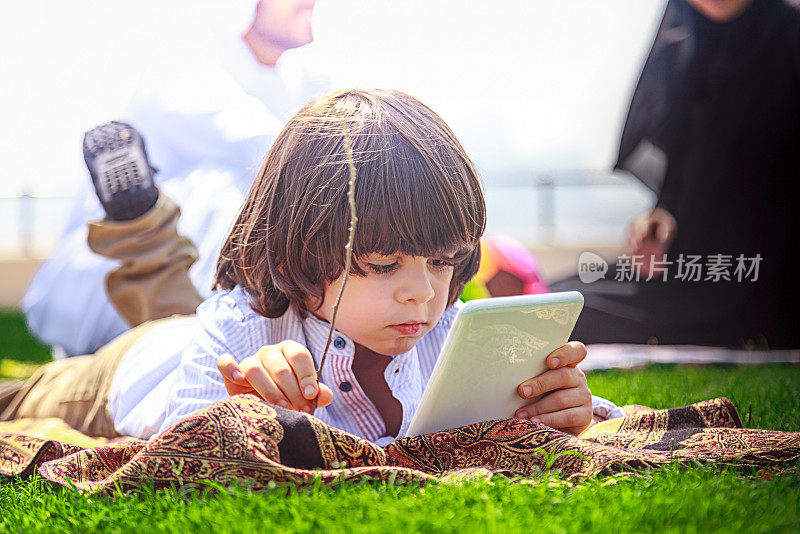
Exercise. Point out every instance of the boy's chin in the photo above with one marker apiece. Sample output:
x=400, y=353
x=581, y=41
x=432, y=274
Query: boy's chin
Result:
x=395, y=347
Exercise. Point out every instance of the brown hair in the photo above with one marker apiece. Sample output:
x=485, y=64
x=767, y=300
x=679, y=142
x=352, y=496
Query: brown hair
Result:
x=416, y=193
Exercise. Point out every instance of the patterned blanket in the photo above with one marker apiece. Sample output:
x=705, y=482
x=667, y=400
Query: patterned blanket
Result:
x=245, y=438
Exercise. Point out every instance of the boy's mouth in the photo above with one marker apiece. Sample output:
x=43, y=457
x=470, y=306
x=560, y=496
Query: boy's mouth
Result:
x=409, y=328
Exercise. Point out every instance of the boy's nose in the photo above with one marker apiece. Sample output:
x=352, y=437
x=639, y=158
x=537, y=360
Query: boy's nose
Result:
x=417, y=288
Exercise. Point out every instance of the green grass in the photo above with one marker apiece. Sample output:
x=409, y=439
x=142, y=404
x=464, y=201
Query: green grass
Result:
x=768, y=394
x=671, y=499
x=16, y=343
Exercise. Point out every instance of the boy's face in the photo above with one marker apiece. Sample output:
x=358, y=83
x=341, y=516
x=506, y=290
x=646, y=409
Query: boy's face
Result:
x=399, y=300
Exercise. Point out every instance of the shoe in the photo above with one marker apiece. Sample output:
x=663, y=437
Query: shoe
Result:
x=122, y=175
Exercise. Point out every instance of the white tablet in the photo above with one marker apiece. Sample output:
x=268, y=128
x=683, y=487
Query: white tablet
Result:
x=494, y=345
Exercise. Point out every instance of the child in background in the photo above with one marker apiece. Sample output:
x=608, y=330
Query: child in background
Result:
x=421, y=215
x=507, y=268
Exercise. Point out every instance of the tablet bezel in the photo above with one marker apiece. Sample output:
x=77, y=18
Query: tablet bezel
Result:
x=452, y=387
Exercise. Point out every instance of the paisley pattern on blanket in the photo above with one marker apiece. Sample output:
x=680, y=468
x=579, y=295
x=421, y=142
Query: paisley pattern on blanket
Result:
x=245, y=438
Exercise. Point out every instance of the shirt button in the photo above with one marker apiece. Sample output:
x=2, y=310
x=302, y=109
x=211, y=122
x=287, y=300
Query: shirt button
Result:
x=339, y=343
x=345, y=386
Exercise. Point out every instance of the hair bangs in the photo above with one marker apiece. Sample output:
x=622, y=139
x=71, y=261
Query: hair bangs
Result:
x=409, y=204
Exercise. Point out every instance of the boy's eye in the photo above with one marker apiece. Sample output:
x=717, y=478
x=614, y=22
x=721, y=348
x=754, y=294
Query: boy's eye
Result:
x=381, y=268
x=441, y=264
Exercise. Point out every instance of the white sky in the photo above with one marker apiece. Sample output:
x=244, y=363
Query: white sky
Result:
x=528, y=86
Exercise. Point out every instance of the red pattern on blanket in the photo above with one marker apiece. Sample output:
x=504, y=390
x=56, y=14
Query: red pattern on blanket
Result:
x=246, y=438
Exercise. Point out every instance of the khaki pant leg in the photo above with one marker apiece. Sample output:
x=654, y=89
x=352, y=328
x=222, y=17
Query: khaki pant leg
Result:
x=8, y=391
x=152, y=281
x=76, y=389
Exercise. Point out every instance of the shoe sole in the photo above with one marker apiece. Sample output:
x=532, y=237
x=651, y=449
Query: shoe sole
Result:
x=122, y=175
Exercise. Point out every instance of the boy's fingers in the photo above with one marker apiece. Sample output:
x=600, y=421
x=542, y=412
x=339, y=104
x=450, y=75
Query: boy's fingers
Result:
x=555, y=401
x=564, y=377
x=234, y=380
x=571, y=419
x=260, y=380
x=302, y=365
x=283, y=376
x=230, y=371
x=568, y=355
x=325, y=396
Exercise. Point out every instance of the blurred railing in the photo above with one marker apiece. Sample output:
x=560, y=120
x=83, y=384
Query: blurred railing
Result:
x=559, y=209
x=30, y=225
x=564, y=209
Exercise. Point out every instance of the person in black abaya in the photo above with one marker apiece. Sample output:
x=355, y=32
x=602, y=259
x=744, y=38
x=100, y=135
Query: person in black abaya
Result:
x=714, y=128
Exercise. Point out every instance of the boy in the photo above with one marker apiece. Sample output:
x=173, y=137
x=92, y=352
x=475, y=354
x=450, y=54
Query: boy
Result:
x=421, y=216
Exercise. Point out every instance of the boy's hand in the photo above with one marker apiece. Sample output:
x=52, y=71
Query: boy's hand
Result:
x=281, y=374
x=566, y=402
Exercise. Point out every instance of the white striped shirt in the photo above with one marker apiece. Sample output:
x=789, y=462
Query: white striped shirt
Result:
x=171, y=372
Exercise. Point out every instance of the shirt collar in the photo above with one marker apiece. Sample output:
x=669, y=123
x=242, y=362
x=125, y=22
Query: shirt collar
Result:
x=316, y=333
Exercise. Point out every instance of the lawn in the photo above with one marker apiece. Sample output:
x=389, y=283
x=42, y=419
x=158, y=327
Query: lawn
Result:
x=677, y=499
